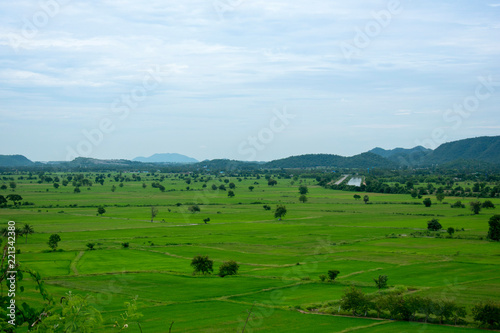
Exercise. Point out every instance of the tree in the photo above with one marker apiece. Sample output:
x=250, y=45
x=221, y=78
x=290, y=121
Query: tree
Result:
x=54, y=239
x=101, y=210
x=488, y=204
x=206, y=220
x=3, y=187
x=332, y=274
x=440, y=196
x=366, y=198
x=214, y=187
x=427, y=202
x=222, y=187
x=202, y=264
x=56, y=185
x=487, y=313
x=12, y=185
x=381, y=281
x=144, y=185
x=154, y=212
x=303, y=198
x=232, y=186
x=228, y=268
x=303, y=189
x=355, y=300
x=475, y=207
x=194, y=208
x=267, y=207
x=451, y=231
x=357, y=197
x=91, y=246
x=230, y=193
x=458, y=204
x=494, y=230
x=113, y=188
x=251, y=188
x=272, y=182
x=15, y=198
x=3, y=201
x=27, y=230
x=434, y=225
x=76, y=190
x=280, y=212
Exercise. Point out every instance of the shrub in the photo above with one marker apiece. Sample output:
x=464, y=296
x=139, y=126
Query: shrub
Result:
x=202, y=264
x=332, y=274
x=434, y=225
x=125, y=245
x=228, y=268
x=322, y=277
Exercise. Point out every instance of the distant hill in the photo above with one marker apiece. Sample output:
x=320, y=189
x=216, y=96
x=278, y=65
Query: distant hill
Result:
x=365, y=160
x=93, y=162
x=482, y=149
x=14, y=161
x=402, y=156
x=166, y=158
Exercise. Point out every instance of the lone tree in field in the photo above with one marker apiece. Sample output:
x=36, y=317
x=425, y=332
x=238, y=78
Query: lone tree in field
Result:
x=27, y=230
x=202, y=264
x=280, y=212
x=332, y=274
x=54, y=239
x=488, y=204
x=272, y=182
x=434, y=225
x=194, y=208
x=494, y=231
x=206, y=220
x=475, y=207
x=154, y=212
x=230, y=193
x=303, y=198
x=427, y=202
x=451, y=231
x=366, y=198
x=357, y=197
x=440, y=196
x=228, y=268
x=251, y=188
x=101, y=210
x=381, y=281
x=15, y=198
x=303, y=189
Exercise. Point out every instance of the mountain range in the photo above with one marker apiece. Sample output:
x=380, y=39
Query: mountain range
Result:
x=481, y=152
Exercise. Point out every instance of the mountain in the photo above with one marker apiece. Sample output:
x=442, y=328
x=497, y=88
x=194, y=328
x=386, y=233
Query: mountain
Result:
x=166, y=158
x=402, y=156
x=365, y=160
x=482, y=149
x=15, y=161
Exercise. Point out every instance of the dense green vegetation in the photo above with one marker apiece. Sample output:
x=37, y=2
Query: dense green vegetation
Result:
x=285, y=272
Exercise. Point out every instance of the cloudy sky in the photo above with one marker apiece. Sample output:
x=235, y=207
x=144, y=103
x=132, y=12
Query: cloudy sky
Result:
x=244, y=79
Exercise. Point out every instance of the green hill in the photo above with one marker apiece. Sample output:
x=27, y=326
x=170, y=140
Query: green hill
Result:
x=365, y=160
x=14, y=161
x=483, y=149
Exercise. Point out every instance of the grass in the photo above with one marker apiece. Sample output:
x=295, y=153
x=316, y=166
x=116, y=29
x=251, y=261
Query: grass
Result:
x=280, y=261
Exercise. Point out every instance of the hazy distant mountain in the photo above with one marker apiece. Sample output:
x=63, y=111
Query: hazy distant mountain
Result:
x=402, y=156
x=14, y=161
x=365, y=160
x=166, y=158
x=483, y=149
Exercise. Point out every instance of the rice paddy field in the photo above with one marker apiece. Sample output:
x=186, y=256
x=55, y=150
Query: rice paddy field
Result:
x=280, y=260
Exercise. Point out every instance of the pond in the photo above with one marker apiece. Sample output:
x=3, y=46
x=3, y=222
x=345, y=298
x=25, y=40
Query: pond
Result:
x=355, y=181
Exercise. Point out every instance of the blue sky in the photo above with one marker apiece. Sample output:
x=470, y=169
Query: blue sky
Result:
x=244, y=79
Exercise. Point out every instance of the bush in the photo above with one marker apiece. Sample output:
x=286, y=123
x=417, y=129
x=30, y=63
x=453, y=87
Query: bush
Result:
x=194, y=208
x=125, y=245
x=228, y=268
x=332, y=274
x=427, y=202
x=487, y=313
x=322, y=277
x=434, y=225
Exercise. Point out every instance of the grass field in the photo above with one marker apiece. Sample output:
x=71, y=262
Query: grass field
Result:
x=280, y=261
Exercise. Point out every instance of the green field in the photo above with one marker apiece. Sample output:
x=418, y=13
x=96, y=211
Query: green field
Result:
x=280, y=261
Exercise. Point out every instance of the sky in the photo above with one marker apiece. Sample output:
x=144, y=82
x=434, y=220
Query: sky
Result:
x=244, y=79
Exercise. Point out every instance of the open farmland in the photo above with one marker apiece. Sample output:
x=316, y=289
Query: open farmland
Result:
x=280, y=260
